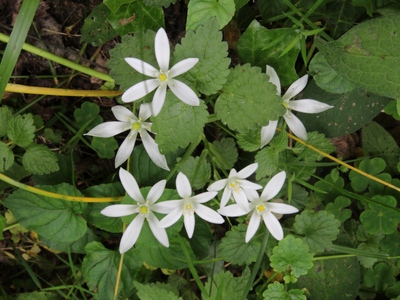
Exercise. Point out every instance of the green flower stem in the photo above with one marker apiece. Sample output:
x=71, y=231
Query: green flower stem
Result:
x=55, y=195
x=357, y=252
x=256, y=266
x=60, y=60
x=192, y=268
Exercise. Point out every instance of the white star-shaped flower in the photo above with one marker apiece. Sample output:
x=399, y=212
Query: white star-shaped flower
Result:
x=128, y=121
x=309, y=106
x=188, y=206
x=163, y=77
x=262, y=208
x=236, y=185
x=144, y=210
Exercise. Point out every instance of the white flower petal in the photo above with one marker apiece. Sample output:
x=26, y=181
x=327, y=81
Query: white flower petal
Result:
x=131, y=234
x=295, y=125
x=172, y=217
x=295, y=88
x=159, y=233
x=241, y=199
x=226, y=195
x=309, y=106
x=142, y=67
x=183, y=186
x=121, y=113
x=248, y=185
x=125, y=150
x=268, y=132
x=252, y=195
x=159, y=99
x=233, y=210
x=254, y=223
x=282, y=208
x=189, y=224
x=273, y=225
x=130, y=185
x=109, y=129
x=204, y=197
x=217, y=186
x=119, y=210
x=273, y=186
x=182, y=67
x=156, y=191
x=145, y=111
x=166, y=207
x=161, y=46
x=208, y=214
x=183, y=92
x=152, y=150
x=274, y=78
x=140, y=90
x=246, y=172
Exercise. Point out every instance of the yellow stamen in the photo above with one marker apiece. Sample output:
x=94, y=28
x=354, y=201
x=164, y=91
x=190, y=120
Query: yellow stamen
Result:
x=260, y=208
x=144, y=210
x=136, y=126
x=162, y=77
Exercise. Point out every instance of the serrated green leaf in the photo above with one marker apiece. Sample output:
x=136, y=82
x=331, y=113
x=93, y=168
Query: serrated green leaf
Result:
x=293, y=255
x=379, y=218
x=234, y=249
x=159, y=3
x=277, y=291
x=105, y=147
x=198, y=172
x=97, y=30
x=64, y=174
x=5, y=117
x=178, y=124
x=199, y=11
x=248, y=99
x=260, y=46
x=6, y=157
x=100, y=269
x=380, y=277
x=317, y=140
x=226, y=148
x=318, y=229
x=268, y=162
x=367, y=54
x=88, y=111
x=16, y=172
x=38, y=159
x=54, y=219
x=225, y=286
x=114, y=5
x=249, y=141
x=338, y=208
x=53, y=136
x=351, y=110
x=326, y=77
x=155, y=291
x=136, y=16
x=210, y=73
x=20, y=130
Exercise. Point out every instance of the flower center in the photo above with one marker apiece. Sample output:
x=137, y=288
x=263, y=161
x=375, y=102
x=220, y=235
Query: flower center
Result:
x=235, y=186
x=162, y=77
x=261, y=208
x=136, y=126
x=144, y=210
x=188, y=209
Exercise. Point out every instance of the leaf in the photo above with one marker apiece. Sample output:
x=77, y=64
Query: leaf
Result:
x=200, y=11
x=367, y=54
x=100, y=268
x=5, y=117
x=54, y=219
x=105, y=147
x=380, y=277
x=210, y=73
x=114, y=5
x=234, y=249
x=16, y=172
x=159, y=3
x=178, y=124
x=318, y=229
x=351, y=110
x=155, y=291
x=6, y=157
x=260, y=46
x=225, y=286
x=37, y=296
x=20, y=130
x=227, y=151
x=88, y=111
x=276, y=291
x=326, y=78
x=378, y=142
x=249, y=141
x=332, y=279
x=198, y=172
x=248, y=100
x=2, y=225
x=135, y=17
x=53, y=136
x=293, y=255
x=64, y=174
x=379, y=218
x=38, y=159
x=97, y=30
x=317, y=140
x=338, y=208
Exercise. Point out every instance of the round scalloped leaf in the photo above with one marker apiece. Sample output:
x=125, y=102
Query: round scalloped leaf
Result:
x=248, y=100
x=6, y=157
x=21, y=130
x=38, y=159
x=198, y=172
x=277, y=291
